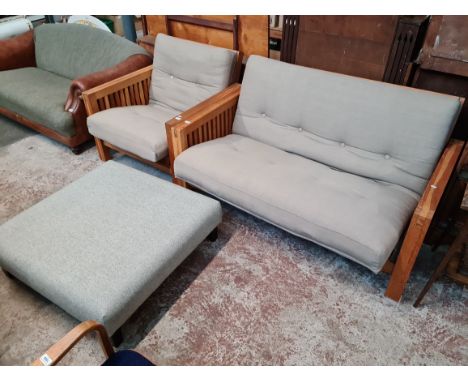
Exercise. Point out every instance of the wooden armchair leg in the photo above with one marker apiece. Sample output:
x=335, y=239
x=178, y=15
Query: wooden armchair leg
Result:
x=179, y=182
x=103, y=151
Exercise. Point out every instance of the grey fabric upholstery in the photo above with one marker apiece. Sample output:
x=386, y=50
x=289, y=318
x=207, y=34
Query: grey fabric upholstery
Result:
x=37, y=95
x=73, y=50
x=138, y=129
x=368, y=128
x=186, y=73
x=110, y=240
x=360, y=218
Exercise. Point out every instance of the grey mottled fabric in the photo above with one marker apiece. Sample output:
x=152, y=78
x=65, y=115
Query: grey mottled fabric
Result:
x=359, y=218
x=100, y=246
x=369, y=128
x=74, y=50
x=186, y=73
x=39, y=96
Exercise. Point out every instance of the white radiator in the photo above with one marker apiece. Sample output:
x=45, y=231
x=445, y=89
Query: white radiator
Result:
x=12, y=26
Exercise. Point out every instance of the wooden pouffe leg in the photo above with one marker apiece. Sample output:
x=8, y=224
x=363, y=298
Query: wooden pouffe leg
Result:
x=213, y=236
x=103, y=151
x=8, y=274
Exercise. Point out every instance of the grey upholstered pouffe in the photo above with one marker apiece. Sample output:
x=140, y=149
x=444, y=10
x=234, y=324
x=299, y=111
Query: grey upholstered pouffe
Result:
x=99, y=247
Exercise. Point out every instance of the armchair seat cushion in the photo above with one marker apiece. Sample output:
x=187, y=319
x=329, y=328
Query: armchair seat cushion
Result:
x=38, y=95
x=140, y=130
x=357, y=217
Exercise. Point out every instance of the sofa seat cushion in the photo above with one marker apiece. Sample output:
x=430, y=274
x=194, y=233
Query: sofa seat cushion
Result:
x=38, y=95
x=140, y=130
x=359, y=218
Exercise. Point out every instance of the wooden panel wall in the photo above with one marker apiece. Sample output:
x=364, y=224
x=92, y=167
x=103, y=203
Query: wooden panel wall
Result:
x=253, y=32
x=355, y=45
x=446, y=45
x=444, y=63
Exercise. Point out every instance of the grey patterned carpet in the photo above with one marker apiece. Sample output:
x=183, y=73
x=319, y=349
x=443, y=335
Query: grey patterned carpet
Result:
x=10, y=131
x=255, y=296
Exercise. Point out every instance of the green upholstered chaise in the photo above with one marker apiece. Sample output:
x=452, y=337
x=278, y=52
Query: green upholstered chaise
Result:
x=43, y=73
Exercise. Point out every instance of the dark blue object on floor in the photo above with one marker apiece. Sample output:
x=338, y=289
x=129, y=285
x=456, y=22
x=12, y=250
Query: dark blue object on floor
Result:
x=127, y=358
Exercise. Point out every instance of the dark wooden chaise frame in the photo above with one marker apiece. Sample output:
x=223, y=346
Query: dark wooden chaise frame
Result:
x=129, y=90
x=214, y=118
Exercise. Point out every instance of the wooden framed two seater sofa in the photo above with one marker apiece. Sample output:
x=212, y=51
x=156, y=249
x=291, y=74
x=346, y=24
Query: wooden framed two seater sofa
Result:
x=355, y=165
x=44, y=72
x=128, y=114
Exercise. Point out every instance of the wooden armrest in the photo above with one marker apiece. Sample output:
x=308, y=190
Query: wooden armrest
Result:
x=210, y=119
x=422, y=218
x=55, y=353
x=128, y=90
x=436, y=186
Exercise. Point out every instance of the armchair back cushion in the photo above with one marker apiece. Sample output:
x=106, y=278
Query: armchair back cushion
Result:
x=73, y=50
x=376, y=130
x=186, y=73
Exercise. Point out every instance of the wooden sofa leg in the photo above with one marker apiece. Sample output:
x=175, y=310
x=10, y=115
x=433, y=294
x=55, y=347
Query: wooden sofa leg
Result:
x=404, y=265
x=103, y=151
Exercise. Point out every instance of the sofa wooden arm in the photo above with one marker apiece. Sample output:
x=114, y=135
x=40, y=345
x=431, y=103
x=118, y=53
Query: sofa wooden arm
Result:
x=17, y=52
x=422, y=218
x=128, y=90
x=55, y=353
x=210, y=119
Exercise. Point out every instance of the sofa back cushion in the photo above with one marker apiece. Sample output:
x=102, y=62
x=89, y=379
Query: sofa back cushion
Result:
x=186, y=72
x=369, y=128
x=74, y=50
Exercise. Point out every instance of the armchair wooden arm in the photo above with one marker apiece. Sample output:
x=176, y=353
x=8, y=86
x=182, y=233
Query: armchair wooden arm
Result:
x=422, y=218
x=55, y=353
x=128, y=90
x=210, y=119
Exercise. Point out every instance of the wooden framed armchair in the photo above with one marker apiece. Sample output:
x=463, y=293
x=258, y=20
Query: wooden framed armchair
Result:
x=128, y=114
x=235, y=131
x=120, y=358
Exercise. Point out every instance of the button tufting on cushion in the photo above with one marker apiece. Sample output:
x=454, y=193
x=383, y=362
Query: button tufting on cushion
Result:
x=299, y=129
x=386, y=156
x=366, y=122
x=342, y=144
